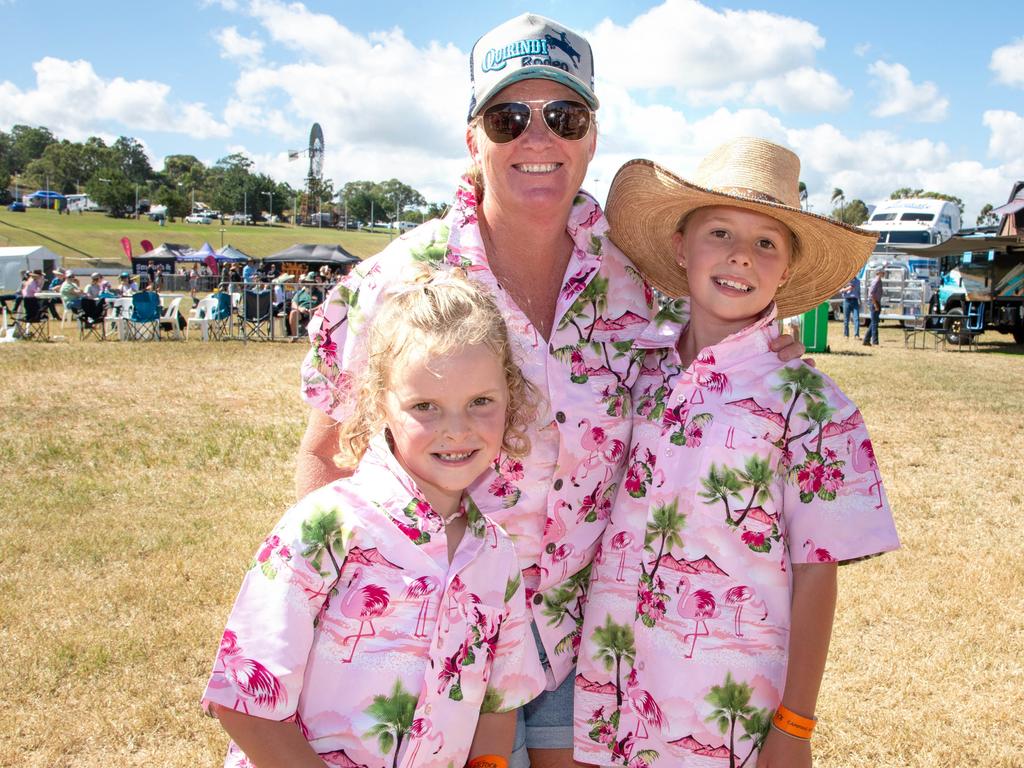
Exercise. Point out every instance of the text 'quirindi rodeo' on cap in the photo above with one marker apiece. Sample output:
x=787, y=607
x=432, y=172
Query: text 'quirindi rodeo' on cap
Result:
x=526, y=47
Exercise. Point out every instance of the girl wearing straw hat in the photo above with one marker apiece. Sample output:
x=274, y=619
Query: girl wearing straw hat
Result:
x=748, y=479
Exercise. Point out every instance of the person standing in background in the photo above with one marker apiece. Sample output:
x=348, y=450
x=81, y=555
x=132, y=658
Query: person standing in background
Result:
x=875, y=302
x=851, y=305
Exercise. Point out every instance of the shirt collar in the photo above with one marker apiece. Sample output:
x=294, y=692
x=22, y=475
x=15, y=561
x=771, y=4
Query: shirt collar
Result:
x=387, y=485
x=736, y=347
x=586, y=225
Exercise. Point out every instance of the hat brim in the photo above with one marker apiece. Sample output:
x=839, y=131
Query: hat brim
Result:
x=646, y=203
x=537, y=73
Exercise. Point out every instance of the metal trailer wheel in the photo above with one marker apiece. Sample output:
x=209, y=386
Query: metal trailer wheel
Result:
x=954, y=322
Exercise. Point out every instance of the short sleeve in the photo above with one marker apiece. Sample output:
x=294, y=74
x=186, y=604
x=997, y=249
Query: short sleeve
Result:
x=335, y=344
x=835, y=505
x=517, y=676
x=264, y=650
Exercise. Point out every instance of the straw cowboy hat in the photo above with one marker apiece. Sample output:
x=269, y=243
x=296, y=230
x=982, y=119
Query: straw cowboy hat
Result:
x=646, y=204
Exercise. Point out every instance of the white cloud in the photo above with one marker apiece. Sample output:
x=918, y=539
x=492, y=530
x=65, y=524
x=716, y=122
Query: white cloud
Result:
x=862, y=49
x=382, y=101
x=235, y=45
x=901, y=96
x=74, y=102
x=801, y=90
x=1006, y=138
x=683, y=44
x=1008, y=63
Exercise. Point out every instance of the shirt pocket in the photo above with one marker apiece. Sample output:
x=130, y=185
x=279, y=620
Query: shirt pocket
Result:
x=737, y=484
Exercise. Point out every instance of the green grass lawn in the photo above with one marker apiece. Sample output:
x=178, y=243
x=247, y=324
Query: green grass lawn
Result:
x=83, y=238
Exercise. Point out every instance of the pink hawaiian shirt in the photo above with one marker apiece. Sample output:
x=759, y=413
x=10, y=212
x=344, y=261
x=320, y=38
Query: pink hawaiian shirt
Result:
x=554, y=503
x=352, y=623
x=739, y=466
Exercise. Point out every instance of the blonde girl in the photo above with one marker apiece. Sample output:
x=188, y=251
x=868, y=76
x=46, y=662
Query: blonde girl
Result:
x=383, y=621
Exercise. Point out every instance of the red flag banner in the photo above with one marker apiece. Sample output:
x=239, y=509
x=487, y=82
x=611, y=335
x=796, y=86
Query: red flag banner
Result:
x=126, y=245
x=211, y=262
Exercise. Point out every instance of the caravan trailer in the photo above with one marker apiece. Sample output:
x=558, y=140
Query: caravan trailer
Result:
x=913, y=223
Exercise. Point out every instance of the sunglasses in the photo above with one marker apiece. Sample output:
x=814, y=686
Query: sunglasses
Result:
x=505, y=122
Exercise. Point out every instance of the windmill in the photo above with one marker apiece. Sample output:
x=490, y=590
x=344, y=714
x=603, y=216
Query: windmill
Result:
x=314, y=179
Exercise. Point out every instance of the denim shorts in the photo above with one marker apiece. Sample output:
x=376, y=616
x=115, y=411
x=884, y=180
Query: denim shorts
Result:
x=546, y=722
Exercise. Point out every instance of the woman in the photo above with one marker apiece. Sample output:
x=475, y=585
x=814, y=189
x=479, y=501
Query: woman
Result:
x=521, y=226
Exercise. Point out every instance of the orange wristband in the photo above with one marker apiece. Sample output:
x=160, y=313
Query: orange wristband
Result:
x=792, y=724
x=487, y=761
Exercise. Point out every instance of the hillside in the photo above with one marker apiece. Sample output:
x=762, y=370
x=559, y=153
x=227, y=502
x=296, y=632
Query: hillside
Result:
x=82, y=239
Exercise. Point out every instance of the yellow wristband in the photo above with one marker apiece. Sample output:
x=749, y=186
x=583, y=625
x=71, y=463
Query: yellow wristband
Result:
x=487, y=761
x=792, y=724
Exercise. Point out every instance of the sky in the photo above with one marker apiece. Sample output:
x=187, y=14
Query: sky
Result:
x=873, y=96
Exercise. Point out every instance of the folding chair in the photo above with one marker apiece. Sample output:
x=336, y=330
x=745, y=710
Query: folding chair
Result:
x=219, y=325
x=255, y=318
x=92, y=320
x=143, y=323
x=33, y=324
x=170, y=318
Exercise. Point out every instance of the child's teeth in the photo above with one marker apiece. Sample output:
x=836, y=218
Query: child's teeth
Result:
x=737, y=286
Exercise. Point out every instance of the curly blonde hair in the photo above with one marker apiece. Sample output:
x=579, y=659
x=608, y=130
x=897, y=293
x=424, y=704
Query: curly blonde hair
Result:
x=442, y=312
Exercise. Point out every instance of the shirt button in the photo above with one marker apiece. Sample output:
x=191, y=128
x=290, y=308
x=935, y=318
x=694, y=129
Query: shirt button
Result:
x=560, y=417
x=538, y=598
x=550, y=548
x=558, y=484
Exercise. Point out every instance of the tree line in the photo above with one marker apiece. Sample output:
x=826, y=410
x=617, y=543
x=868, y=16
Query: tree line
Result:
x=118, y=175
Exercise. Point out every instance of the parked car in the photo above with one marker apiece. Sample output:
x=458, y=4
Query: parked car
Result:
x=241, y=218
x=16, y=206
x=198, y=218
x=407, y=225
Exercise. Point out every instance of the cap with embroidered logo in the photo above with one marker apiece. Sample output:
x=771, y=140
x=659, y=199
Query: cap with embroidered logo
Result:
x=527, y=47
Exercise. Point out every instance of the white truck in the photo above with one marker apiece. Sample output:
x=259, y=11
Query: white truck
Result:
x=913, y=223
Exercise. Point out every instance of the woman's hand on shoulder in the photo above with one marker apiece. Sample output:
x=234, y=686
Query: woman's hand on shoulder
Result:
x=782, y=751
x=788, y=348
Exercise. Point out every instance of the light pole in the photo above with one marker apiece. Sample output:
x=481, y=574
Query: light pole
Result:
x=295, y=210
x=271, y=196
x=136, y=201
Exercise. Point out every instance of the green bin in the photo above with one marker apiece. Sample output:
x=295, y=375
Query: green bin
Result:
x=814, y=328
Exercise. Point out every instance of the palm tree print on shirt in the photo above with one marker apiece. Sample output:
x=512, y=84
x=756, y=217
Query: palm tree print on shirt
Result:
x=615, y=643
x=731, y=702
x=394, y=716
x=567, y=601
x=323, y=535
x=723, y=483
x=664, y=527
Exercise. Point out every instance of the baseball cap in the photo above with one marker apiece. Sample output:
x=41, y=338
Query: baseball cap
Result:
x=527, y=47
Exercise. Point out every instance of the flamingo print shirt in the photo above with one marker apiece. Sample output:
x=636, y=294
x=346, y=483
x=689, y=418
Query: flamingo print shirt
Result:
x=554, y=503
x=351, y=623
x=740, y=466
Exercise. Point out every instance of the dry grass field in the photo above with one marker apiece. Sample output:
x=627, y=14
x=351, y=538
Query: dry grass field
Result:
x=139, y=479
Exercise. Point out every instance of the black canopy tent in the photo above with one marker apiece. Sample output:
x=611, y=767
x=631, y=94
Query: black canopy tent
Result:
x=314, y=254
x=164, y=255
